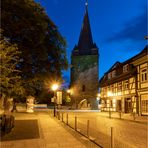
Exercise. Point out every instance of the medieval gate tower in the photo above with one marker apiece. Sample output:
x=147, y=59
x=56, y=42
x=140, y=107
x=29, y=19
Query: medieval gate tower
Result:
x=84, y=66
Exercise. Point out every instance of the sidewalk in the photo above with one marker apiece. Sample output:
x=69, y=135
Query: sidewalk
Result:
x=39, y=130
x=128, y=117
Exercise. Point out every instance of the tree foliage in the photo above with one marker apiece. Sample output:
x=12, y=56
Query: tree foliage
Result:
x=10, y=79
x=43, y=49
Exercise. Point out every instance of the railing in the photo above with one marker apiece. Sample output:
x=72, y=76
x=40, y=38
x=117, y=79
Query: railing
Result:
x=101, y=132
x=87, y=128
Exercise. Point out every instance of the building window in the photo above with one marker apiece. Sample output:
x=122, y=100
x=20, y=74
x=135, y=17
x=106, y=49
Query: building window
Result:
x=112, y=88
x=126, y=85
x=144, y=75
x=109, y=75
x=119, y=87
x=126, y=68
x=108, y=88
x=83, y=88
x=113, y=73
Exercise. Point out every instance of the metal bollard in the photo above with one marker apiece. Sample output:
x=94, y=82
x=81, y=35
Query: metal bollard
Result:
x=62, y=117
x=109, y=113
x=120, y=114
x=88, y=128
x=67, y=119
x=112, y=137
x=59, y=115
x=75, y=123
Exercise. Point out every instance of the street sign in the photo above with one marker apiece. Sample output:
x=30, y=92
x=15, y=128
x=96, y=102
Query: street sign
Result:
x=59, y=97
x=52, y=99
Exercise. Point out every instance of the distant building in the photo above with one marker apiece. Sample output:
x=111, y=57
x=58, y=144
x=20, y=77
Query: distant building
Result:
x=124, y=87
x=84, y=67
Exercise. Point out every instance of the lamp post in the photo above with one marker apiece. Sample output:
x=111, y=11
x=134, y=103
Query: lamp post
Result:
x=54, y=88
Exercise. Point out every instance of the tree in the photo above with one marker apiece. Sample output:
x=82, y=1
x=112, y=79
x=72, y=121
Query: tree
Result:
x=9, y=75
x=43, y=49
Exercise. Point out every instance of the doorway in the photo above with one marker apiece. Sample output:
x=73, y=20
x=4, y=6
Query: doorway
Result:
x=128, y=105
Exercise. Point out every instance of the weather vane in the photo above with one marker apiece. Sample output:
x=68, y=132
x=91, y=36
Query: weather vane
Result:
x=86, y=3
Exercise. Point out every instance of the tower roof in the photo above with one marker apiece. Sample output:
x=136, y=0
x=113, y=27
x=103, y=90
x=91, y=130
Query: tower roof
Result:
x=85, y=39
x=85, y=44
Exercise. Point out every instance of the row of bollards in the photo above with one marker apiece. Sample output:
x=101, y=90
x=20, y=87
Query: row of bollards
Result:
x=87, y=127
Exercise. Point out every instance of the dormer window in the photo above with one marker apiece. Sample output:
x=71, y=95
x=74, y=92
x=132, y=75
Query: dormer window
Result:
x=113, y=73
x=126, y=68
x=109, y=75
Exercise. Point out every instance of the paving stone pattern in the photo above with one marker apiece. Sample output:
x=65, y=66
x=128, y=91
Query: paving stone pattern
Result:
x=52, y=133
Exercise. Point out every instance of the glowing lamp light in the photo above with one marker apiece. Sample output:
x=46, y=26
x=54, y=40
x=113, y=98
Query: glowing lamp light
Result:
x=109, y=94
x=99, y=95
x=68, y=91
x=55, y=87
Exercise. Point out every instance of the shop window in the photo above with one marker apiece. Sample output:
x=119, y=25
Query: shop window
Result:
x=144, y=106
x=107, y=103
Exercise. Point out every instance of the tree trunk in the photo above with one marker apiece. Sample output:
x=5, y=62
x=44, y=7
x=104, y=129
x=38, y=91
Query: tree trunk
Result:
x=7, y=105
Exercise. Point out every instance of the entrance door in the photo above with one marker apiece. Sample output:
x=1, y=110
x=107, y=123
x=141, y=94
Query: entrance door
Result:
x=128, y=105
x=118, y=107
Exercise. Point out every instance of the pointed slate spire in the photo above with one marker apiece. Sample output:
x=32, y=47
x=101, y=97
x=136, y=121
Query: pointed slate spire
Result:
x=85, y=40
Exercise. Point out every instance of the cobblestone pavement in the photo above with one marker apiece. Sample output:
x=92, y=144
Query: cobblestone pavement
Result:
x=127, y=133
x=52, y=134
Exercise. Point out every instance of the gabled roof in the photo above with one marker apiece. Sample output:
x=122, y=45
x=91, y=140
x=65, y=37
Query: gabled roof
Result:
x=114, y=66
x=117, y=65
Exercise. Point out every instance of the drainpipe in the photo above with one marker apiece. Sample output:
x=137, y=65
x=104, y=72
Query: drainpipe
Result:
x=136, y=91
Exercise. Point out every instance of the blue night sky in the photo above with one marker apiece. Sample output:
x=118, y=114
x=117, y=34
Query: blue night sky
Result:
x=118, y=27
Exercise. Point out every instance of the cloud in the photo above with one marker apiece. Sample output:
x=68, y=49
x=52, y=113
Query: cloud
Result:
x=134, y=30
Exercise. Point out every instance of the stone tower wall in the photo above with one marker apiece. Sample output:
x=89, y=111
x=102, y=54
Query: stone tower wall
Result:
x=85, y=78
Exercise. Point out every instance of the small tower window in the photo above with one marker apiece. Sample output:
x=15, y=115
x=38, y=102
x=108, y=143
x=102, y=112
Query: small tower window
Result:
x=83, y=88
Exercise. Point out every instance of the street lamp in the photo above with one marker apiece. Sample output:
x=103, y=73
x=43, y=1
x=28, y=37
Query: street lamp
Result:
x=68, y=91
x=54, y=88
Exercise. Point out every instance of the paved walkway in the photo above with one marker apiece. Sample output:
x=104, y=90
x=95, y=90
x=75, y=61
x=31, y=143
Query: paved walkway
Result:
x=52, y=133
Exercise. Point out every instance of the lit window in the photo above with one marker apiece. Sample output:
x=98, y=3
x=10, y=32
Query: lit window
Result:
x=125, y=68
x=144, y=75
x=126, y=85
x=108, y=88
x=112, y=88
x=119, y=86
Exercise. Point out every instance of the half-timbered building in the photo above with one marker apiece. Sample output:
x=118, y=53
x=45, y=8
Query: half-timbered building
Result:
x=124, y=87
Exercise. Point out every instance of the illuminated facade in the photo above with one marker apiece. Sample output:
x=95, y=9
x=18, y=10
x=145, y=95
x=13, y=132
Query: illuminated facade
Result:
x=125, y=86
